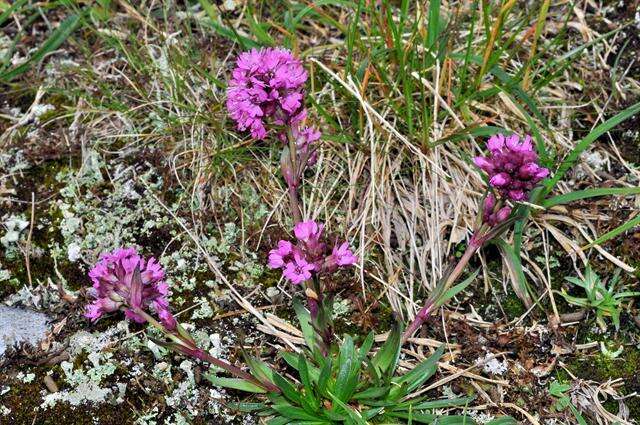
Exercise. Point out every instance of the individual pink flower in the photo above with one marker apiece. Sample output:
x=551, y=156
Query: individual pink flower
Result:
x=308, y=230
x=267, y=87
x=512, y=166
x=124, y=280
x=279, y=256
x=298, y=270
x=343, y=255
x=309, y=235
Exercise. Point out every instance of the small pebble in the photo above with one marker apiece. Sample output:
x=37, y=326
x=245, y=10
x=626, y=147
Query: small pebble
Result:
x=51, y=384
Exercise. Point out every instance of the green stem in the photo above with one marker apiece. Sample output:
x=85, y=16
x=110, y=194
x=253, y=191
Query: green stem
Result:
x=296, y=211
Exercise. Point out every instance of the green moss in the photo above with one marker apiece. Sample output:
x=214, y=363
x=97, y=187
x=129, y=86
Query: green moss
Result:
x=601, y=368
x=513, y=306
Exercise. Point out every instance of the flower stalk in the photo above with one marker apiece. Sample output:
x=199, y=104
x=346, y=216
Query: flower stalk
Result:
x=434, y=301
x=185, y=344
x=125, y=281
x=513, y=171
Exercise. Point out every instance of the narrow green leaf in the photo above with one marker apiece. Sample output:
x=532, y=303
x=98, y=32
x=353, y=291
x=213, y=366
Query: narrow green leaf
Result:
x=387, y=357
x=57, y=37
x=410, y=381
x=345, y=385
x=584, y=144
x=278, y=421
x=256, y=28
x=433, y=27
x=246, y=407
x=9, y=11
x=288, y=389
x=474, y=131
x=371, y=393
x=304, y=318
x=259, y=369
x=615, y=232
x=440, y=404
x=456, y=289
x=589, y=193
x=325, y=375
x=365, y=348
x=353, y=414
x=309, y=395
x=514, y=265
x=235, y=383
x=293, y=412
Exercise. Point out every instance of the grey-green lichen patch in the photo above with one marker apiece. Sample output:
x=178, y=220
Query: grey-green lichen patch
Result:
x=90, y=367
x=97, y=218
x=204, y=311
x=86, y=385
x=103, y=202
x=14, y=225
x=21, y=326
x=4, y=274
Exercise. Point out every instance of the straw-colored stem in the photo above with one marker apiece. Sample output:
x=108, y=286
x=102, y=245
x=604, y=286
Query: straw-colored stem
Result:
x=495, y=32
x=542, y=17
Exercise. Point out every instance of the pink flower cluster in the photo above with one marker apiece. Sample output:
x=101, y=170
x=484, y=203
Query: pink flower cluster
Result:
x=512, y=166
x=490, y=215
x=267, y=86
x=124, y=279
x=309, y=255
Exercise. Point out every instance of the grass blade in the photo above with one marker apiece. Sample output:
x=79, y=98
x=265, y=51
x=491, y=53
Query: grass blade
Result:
x=57, y=37
x=589, y=193
x=615, y=232
x=573, y=156
x=514, y=265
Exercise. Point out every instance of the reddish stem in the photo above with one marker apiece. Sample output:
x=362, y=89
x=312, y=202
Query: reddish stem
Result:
x=425, y=311
x=234, y=370
x=295, y=204
x=187, y=347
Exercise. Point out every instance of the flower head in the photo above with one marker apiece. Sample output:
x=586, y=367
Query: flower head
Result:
x=124, y=279
x=267, y=87
x=512, y=166
x=309, y=255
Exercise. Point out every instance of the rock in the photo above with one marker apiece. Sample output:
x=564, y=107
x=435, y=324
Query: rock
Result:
x=20, y=326
x=50, y=384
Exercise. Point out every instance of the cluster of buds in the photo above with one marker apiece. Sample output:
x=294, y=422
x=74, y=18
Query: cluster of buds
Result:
x=305, y=154
x=512, y=166
x=309, y=255
x=123, y=280
x=492, y=213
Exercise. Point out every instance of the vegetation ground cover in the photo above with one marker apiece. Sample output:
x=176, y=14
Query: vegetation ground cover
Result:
x=115, y=132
